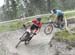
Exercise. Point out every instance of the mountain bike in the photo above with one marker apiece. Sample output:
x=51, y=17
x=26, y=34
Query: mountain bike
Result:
x=26, y=37
x=50, y=26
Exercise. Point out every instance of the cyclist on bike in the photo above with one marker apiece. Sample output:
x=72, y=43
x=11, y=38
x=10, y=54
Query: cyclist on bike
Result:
x=36, y=24
x=59, y=16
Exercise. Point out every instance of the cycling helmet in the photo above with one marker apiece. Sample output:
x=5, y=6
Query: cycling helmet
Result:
x=38, y=18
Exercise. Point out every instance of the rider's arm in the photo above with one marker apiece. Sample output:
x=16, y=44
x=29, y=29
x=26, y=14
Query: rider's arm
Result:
x=51, y=14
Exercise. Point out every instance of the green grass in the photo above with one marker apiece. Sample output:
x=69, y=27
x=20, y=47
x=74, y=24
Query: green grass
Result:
x=10, y=26
x=64, y=35
x=67, y=15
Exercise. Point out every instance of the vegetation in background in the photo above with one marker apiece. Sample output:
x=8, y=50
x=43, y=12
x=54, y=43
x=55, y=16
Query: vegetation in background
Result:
x=17, y=24
x=10, y=26
x=64, y=35
x=13, y=9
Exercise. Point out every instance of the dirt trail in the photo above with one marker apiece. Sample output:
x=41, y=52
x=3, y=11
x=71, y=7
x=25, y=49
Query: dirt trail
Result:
x=39, y=45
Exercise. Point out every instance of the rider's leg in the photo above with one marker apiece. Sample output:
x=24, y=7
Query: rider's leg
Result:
x=57, y=21
x=60, y=20
x=35, y=31
x=34, y=28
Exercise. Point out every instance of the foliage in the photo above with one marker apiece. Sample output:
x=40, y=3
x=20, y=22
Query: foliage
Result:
x=13, y=9
x=64, y=35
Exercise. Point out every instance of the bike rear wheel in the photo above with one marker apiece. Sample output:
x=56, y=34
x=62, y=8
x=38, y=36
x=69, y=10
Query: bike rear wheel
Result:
x=48, y=29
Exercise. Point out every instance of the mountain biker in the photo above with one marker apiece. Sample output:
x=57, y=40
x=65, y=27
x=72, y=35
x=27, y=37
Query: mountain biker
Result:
x=36, y=24
x=59, y=16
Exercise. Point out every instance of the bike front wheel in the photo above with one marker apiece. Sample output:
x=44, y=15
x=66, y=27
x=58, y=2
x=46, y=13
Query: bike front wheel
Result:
x=24, y=37
x=48, y=29
x=18, y=44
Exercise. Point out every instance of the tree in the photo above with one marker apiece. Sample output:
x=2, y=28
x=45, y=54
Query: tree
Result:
x=49, y=5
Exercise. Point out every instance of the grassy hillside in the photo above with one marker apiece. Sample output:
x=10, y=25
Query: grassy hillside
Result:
x=17, y=24
x=64, y=35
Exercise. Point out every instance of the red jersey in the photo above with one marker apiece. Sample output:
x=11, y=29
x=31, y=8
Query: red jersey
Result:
x=37, y=23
